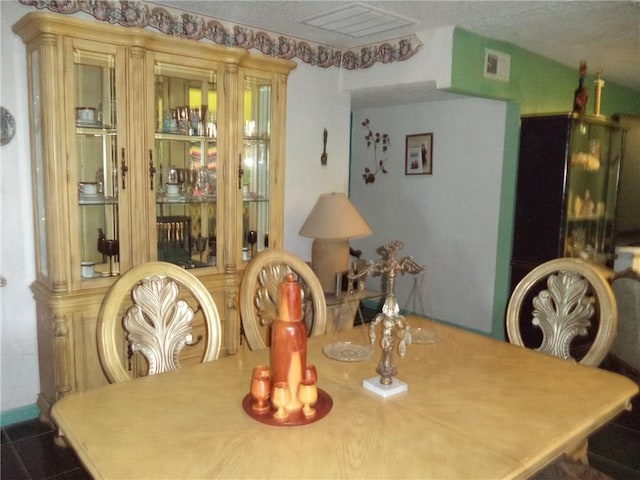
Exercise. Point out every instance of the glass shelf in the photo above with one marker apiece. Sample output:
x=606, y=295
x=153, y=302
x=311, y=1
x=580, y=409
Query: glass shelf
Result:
x=97, y=200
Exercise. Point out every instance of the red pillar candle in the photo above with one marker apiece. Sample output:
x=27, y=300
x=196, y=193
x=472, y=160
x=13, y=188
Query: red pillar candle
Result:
x=289, y=341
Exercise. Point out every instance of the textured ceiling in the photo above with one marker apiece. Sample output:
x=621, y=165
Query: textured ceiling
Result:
x=604, y=33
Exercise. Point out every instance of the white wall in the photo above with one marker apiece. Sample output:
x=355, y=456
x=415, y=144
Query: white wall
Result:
x=18, y=341
x=448, y=221
x=313, y=104
x=432, y=63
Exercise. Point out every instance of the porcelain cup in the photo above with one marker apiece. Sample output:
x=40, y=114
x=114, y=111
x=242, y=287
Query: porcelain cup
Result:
x=88, y=188
x=88, y=269
x=173, y=188
x=86, y=114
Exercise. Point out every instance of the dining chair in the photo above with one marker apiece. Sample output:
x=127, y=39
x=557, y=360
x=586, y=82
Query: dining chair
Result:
x=260, y=295
x=577, y=302
x=625, y=351
x=150, y=309
x=572, y=304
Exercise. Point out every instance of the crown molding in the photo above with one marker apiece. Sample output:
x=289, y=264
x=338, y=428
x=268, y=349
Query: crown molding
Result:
x=140, y=14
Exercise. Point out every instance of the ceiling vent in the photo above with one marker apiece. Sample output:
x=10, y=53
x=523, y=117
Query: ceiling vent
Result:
x=357, y=20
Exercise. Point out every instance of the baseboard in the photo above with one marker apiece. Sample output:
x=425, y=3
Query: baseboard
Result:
x=18, y=415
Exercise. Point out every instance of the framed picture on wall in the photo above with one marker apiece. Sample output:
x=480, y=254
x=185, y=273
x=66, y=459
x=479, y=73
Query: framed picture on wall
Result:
x=419, y=154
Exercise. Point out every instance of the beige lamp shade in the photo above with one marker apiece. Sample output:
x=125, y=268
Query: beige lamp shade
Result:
x=331, y=223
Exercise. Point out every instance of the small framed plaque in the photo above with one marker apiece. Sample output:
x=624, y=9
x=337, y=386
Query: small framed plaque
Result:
x=419, y=154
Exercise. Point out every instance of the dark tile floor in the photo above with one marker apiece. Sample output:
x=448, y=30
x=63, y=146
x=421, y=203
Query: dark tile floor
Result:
x=615, y=449
x=29, y=451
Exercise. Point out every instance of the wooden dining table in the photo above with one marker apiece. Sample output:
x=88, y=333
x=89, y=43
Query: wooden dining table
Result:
x=475, y=408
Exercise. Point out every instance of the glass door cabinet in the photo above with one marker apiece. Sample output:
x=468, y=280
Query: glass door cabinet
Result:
x=186, y=176
x=144, y=147
x=93, y=144
x=255, y=165
x=567, y=190
x=596, y=152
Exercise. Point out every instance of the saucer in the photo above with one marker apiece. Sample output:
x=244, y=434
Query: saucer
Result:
x=94, y=198
x=95, y=275
x=94, y=124
x=172, y=197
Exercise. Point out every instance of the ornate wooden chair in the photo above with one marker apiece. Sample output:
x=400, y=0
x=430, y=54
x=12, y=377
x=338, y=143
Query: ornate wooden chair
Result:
x=564, y=312
x=159, y=299
x=260, y=295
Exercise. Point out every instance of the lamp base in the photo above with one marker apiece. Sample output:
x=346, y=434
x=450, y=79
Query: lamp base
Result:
x=329, y=257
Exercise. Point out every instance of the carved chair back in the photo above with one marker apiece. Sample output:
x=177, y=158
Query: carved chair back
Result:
x=157, y=322
x=260, y=295
x=577, y=302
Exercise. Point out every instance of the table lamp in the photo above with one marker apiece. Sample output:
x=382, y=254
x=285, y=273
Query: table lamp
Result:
x=331, y=223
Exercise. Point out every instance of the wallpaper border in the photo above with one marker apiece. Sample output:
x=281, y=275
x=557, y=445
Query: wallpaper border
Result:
x=140, y=14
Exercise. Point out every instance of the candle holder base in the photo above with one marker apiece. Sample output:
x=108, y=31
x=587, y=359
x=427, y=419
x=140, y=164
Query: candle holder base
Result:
x=373, y=385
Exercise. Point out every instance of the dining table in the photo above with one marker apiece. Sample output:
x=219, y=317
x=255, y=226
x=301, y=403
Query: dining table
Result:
x=475, y=408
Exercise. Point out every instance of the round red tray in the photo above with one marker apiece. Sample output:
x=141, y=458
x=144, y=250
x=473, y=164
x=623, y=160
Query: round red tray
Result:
x=322, y=406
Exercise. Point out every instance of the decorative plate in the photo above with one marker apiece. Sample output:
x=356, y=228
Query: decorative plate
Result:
x=348, y=351
x=7, y=126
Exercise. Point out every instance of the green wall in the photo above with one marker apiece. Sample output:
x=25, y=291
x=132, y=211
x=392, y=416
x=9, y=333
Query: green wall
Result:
x=536, y=85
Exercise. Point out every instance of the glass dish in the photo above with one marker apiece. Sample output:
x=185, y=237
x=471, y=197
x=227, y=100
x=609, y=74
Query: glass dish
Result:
x=348, y=351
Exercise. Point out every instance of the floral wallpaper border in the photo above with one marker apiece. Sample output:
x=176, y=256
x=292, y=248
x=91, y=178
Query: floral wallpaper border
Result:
x=136, y=13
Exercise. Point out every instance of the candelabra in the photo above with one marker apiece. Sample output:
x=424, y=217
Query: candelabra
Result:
x=393, y=324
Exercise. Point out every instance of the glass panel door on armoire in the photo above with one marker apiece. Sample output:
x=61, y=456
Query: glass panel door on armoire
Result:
x=255, y=168
x=186, y=177
x=96, y=155
x=596, y=149
x=566, y=191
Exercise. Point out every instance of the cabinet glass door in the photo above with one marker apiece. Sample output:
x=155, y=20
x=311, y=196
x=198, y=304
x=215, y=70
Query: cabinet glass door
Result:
x=593, y=167
x=96, y=160
x=186, y=149
x=255, y=173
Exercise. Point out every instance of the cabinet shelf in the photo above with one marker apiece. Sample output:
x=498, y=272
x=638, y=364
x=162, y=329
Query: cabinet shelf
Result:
x=185, y=199
x=97, y=130
x=256, y=140
x=584, y=218
x=180, y=137
x=97, y=200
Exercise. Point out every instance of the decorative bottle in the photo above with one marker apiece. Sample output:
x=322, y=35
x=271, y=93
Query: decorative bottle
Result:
x=289, y=341
x=581, y=96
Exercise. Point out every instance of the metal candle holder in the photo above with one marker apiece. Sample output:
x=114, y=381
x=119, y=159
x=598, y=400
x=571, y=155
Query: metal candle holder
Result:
x=393, y=323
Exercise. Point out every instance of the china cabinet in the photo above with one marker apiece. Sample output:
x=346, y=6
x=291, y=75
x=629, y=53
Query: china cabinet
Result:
x=566, y=192
x=144, y=147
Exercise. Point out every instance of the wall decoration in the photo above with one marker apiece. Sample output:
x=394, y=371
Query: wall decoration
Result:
x=178, y=23
x=323, y=157
x=7, y=126
x=376, y=140
x=419, y=154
